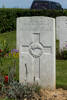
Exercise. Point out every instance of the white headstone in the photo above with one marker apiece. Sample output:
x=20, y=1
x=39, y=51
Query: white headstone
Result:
x=61, y=31
x=37, y=50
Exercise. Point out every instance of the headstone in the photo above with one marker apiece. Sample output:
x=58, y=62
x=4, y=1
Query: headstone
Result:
x=61, y=31
x=37, y=50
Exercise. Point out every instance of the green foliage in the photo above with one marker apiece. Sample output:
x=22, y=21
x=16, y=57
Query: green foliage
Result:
x=61, y=74
x=61, y=65
x=20, y=91
x=57, y=50
x=12, y=72
x=1, y=81
x=6, y=98
x=8, y=16
x=3, y=49
x=2, y=85
x=8, y=61
x=64, y=54
x=60, y=55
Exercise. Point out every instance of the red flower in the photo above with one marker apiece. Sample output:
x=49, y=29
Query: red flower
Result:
x=6, y=79
x=0, y=50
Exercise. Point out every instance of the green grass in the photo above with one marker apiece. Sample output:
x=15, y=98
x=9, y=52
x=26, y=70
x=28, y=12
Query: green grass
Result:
x=61, y=65
x=7, y=62
x=10, y=37
x=61, y=73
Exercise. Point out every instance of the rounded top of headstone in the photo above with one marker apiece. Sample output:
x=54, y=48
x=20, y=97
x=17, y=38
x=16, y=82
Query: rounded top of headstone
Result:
x=36, y=17
x=59, y=17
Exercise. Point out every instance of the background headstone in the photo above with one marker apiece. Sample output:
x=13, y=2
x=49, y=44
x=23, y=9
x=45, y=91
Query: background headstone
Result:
x=61, y=31
x=37, y=50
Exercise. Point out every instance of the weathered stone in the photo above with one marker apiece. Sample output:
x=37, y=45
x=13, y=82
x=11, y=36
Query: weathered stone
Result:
x=61, y=31
x=36, y=40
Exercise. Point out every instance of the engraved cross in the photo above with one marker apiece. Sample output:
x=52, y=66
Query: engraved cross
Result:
x=36, y=49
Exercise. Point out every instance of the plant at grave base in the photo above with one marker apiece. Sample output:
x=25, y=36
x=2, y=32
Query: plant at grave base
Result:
x=2, y=85
x=6, y=98
x=14, y=53
x=3, y=49
x=1, y=81
x=12, y=72
x=6, y=79
x=20, y=91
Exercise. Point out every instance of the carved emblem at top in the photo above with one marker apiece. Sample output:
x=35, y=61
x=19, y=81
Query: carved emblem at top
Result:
x=35, y=50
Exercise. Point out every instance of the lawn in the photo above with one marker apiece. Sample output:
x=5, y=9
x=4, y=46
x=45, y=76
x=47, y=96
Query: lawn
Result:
x=61, y=65
x=61, y=73
x=10, y=37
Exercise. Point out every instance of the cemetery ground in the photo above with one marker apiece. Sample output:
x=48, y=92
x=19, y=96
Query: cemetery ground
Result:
x=61, y=71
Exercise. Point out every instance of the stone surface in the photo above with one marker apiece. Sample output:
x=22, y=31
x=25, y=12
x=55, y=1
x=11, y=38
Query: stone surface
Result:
x=61, y=31
x=37, y=50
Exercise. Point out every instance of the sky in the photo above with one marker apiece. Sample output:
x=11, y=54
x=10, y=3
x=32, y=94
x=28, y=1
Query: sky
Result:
x=25, y=3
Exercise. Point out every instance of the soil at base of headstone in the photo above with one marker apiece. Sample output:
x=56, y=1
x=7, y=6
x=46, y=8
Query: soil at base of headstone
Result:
x=58, y=94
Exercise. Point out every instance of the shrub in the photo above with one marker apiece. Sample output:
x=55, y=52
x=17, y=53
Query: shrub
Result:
x=8, y=16
x=20, y=91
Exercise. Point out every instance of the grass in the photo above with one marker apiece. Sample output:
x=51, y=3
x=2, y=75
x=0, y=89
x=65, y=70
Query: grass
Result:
x=61, y=65
x=10, y=37
x=7, y=62
x=61, y=73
